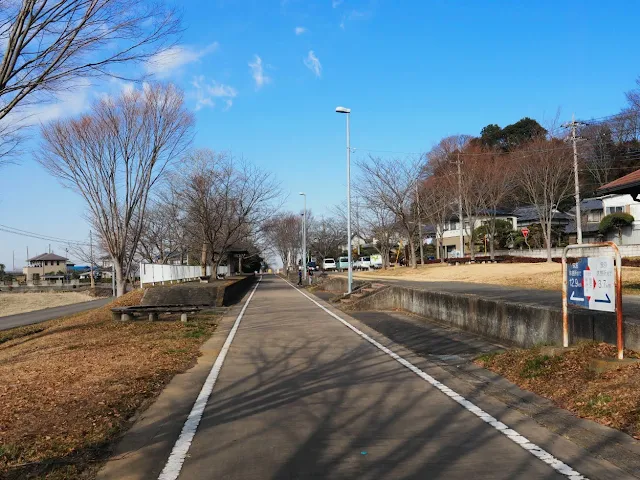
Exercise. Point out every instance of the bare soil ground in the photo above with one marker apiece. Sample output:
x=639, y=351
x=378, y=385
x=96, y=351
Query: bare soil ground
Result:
x=12, y=303
x=543, y=276
x=69, y=386
x=611, y=398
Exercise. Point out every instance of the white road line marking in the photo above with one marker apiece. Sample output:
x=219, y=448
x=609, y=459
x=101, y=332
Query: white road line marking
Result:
x=172, y=468
x=512, y=435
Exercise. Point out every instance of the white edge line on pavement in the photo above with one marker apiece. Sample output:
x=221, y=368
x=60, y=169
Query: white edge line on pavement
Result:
x=172, y=468
x=512, y=435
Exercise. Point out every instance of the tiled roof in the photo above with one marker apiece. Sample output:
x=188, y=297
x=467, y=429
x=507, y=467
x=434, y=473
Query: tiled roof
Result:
x=628, y=180
x=47, y=256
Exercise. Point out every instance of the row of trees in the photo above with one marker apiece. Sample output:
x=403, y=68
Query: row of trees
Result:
x=466, y=178
x=121, y=156
x=148, y=195
x=282, y=235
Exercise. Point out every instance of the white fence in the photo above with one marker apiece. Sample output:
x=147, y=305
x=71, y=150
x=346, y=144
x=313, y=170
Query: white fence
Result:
x=151, y=273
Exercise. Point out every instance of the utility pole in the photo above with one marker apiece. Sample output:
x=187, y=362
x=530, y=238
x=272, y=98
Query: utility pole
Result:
x=573, y=125
x=460, y=216
x=304, y=237
x=419, y=225
x=93, y=283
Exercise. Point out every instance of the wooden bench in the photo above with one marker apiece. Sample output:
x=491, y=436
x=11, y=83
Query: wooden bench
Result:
x=154, y=311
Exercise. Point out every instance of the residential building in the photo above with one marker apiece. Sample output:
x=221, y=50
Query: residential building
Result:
x=47, y=264
x=451, y=232
x=593, y=210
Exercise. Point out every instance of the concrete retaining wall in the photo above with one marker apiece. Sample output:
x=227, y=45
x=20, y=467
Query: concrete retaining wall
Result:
x=194, y=293
x=512, y=323
x=233, y=293
x=625, y=251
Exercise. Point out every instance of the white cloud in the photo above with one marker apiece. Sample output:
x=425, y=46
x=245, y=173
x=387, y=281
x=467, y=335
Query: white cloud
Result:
x=336, y=3
x=354, y=15
x=313, y=63
x=166, y=62
x=300, y=30
x=206, y=93
x=257, y=72
x=75, y=99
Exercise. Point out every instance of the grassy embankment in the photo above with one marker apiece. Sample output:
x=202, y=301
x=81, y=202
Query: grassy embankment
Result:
x=68, y=387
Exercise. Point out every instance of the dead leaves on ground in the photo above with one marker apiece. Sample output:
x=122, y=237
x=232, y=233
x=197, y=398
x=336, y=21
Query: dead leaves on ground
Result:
x=69, y=386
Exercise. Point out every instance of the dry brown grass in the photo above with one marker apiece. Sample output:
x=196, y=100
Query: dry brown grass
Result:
x=12, y=303
x=611, y=398
x=542, y=276
x=67, y=387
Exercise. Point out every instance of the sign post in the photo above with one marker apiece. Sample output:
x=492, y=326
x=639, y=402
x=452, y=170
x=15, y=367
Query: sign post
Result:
x=593, y=283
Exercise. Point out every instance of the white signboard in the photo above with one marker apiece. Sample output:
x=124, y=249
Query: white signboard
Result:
x=599, y=284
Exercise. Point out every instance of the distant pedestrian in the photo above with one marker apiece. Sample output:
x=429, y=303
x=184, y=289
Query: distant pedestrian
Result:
x=300, y=276
x=310, y=276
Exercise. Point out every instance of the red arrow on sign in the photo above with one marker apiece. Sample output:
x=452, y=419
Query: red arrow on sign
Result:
x=525, y=232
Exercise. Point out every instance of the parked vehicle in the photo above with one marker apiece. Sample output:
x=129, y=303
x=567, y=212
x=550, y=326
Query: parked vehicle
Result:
x=357, y=264
x=343, y=264
x=376, y=261
x=364, y=263
x=312, y=266
x=329, y=264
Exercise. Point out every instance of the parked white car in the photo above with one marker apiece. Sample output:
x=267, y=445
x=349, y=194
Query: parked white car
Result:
x=329, y=265
x=363, y=263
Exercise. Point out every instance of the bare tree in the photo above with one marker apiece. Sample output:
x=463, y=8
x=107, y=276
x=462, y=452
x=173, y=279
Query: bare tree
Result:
x=437, y=204
x=326, y=236
x=51, y=44
x=226, y=201
x=380, y=225
x=113, y=157
x=446, y=163
x=545, y=175
x=390, y=184
x=495, y=178
x=163, y=234
x=283, y=234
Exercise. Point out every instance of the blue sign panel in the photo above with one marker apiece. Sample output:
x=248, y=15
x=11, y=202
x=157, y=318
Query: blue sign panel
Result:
x=575, y=280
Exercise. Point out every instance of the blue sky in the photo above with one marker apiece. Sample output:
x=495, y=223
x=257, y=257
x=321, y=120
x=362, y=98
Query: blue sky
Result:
x=265, y=76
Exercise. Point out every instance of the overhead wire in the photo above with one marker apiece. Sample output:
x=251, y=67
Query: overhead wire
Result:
x=40, y=236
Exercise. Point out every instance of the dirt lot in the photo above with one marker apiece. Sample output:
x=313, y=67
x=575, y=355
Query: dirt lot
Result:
x=69, y=386
x=12, y=303
x=545, y=276
x=611, y=398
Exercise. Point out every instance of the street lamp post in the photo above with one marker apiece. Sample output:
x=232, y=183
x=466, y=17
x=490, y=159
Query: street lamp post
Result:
x=349, y=255
x=304, y=237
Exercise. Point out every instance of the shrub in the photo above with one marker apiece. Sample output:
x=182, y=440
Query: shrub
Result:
x=615, y=221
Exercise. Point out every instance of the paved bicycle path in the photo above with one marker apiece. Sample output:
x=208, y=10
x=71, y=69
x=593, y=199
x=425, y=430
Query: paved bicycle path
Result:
x=301, y=395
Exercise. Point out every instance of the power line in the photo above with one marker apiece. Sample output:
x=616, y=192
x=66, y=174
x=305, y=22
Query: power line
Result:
x=40, y=236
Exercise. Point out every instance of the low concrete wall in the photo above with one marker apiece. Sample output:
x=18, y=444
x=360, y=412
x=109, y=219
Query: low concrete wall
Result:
x=233, y=293
x=513, y=323
x=217, y=293
x=625, y=251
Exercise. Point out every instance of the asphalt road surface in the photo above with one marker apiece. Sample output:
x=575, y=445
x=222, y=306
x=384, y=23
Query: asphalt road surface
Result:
x=37, y=316
x=301, y=394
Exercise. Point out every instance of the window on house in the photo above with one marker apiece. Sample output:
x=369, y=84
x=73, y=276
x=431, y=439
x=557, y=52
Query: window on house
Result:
x=594, y=216
x=614, y=209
